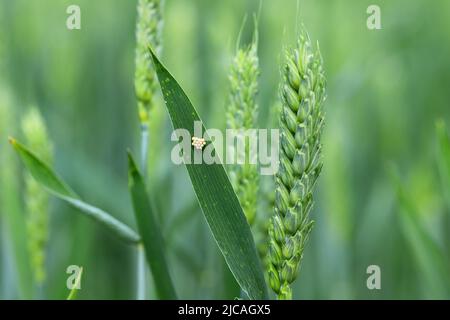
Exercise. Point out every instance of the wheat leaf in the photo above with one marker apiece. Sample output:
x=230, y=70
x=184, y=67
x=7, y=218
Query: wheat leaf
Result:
x=151, y=233
x=56, y=186
x=443, y=158
x=216, y=196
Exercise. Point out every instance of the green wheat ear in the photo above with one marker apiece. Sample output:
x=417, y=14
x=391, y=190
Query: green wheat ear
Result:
x=301, y=122
x=148, y=33
x=36, y=198
x=242, y=114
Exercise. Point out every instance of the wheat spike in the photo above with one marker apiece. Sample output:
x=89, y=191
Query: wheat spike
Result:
x=148, y=33
x=301, y=122
x=242, y=115
x=36, y=198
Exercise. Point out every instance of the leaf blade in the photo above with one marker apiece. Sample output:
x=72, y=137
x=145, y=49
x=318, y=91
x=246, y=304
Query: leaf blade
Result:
x=56, y=186
x=216, y=196
x=38, y=168
x=443, y=158
x=430, y=256
x=150, y=232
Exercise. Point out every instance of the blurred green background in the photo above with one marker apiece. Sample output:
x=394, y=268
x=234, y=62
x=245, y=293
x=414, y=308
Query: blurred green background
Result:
x=381, y=200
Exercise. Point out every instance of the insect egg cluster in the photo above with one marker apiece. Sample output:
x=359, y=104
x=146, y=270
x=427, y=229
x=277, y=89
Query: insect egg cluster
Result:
x=198, y=143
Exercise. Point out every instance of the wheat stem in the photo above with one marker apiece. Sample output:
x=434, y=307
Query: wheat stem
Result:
x=144, y=147
x=148, y=33
x=141, y=273
x=141, y=263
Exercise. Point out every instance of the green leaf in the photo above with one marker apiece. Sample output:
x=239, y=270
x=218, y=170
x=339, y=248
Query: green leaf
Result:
x=51, y=182
x=443, y=158
x=431, y=258
x=216, y=196
x=12, y=217
x=150, y=231
x=74, y=291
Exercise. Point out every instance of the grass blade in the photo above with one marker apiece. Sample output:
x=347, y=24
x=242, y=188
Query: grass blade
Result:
x=431, y=258
x=443, y=162
x=12, y=219
x=216, y=196
x=150, y=232
x=443, y=158
x=50, y=181
x=41, y=172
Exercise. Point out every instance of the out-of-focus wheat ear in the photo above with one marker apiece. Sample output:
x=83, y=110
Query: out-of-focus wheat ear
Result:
x=148, y=33
x=242, y=113
x=36, y=198
x=13, y=224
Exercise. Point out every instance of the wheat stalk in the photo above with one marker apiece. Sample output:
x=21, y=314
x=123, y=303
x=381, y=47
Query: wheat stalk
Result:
x=301, y=122
x=37, y=199
x=242, y=114
x=148, y=33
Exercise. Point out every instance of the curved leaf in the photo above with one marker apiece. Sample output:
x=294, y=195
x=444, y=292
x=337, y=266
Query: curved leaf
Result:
x=443, y=158
x=216, y=196
x=431, y=257
x=55, y=185
x=150, y=232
